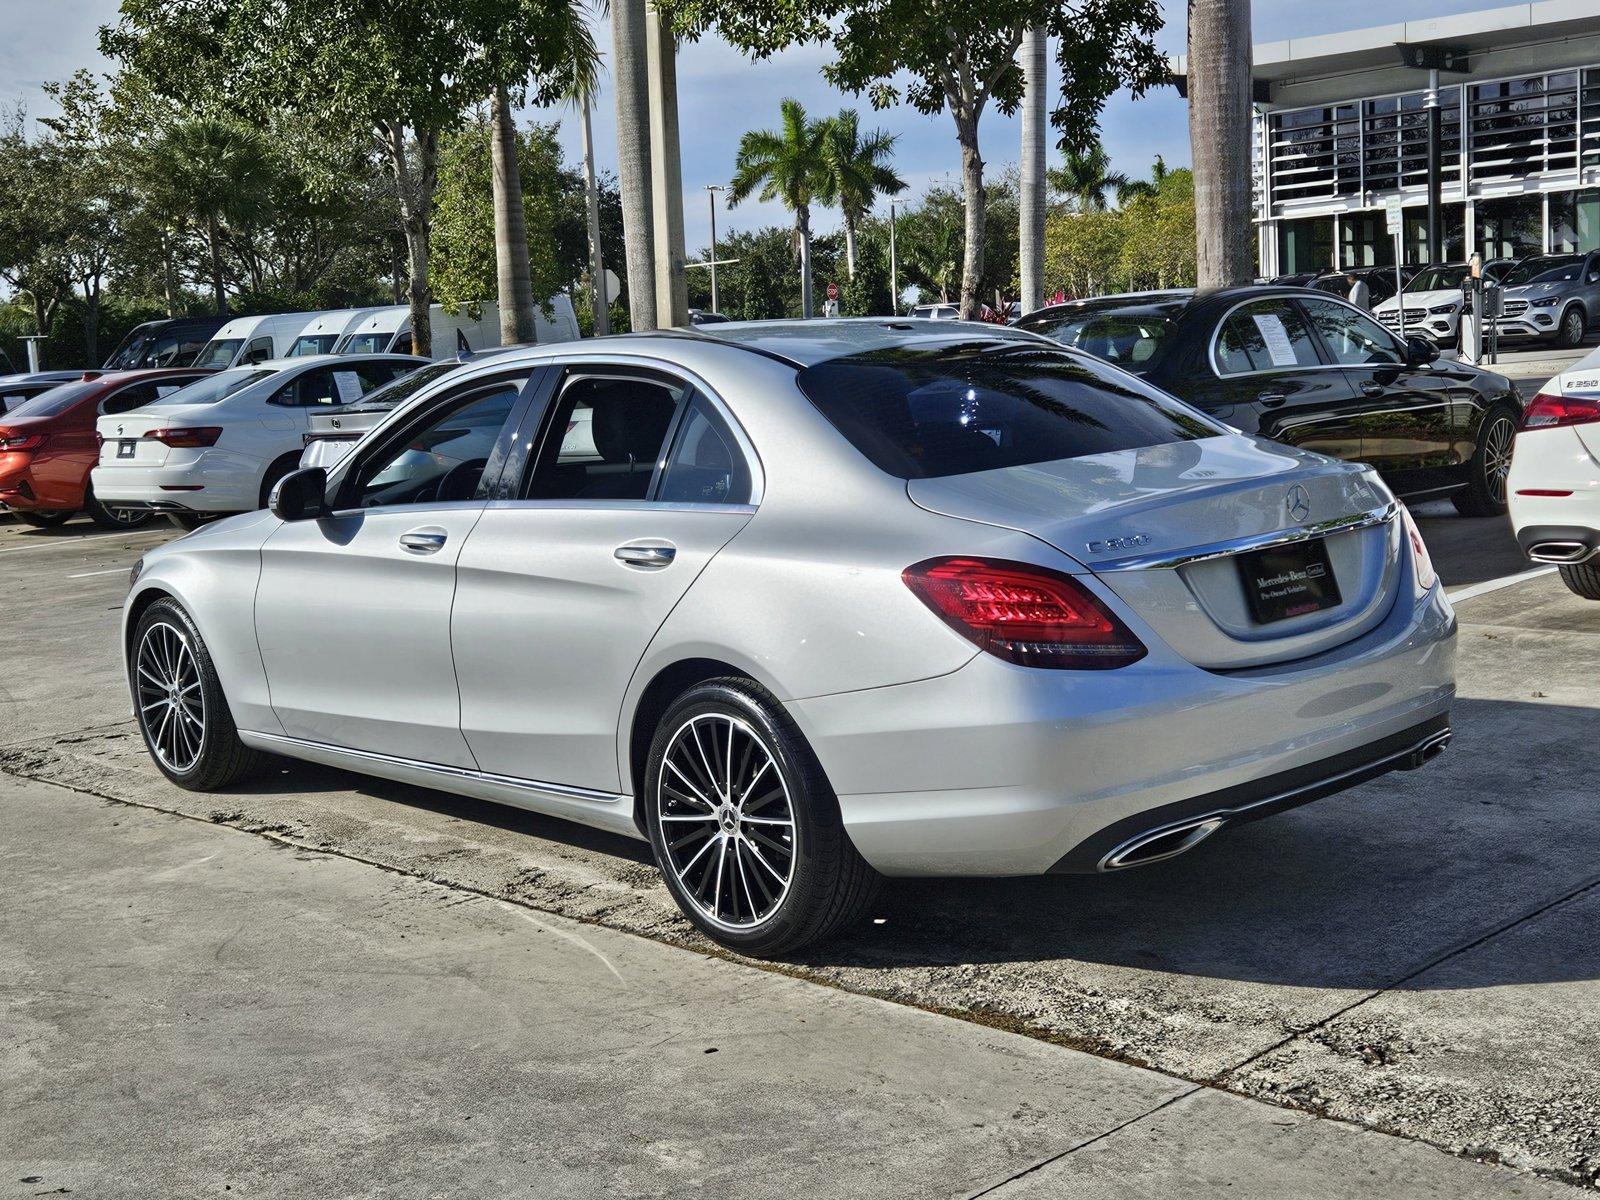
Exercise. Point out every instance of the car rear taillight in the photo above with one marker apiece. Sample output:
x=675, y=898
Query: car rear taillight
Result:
x=206, y=435
x=1024, y=614
x=1548, y=411
x=15, y=442
x=1426, y=575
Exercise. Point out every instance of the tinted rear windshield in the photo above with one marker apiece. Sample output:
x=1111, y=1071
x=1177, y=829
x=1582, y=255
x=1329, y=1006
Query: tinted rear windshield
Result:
x=923, y=414
x=54, y=402
x=1130, y=340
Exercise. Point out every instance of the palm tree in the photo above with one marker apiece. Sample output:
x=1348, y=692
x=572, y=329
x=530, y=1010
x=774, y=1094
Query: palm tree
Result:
x=933, y=257
x=631, y=75
x=513, y=274
x=787, y=165
x=1030, y=231
x=1219, y=138
x=1086, y=178
x=214, y=172
x=857, y=171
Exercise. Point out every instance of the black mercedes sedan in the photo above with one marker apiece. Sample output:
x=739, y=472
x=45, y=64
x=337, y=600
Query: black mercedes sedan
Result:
x=1312, y=370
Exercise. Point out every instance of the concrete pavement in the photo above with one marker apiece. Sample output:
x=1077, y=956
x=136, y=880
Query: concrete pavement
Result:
x=193, y=1010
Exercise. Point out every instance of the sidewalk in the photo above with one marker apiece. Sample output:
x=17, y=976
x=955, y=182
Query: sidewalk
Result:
x=189, y=1007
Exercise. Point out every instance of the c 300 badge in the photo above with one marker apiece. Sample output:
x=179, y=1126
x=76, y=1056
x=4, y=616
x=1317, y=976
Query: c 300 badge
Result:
x=1131, y=542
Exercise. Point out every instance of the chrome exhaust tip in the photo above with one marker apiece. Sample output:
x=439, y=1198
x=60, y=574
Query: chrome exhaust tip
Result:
x=1428, y=750
x=1564, y=554
x=1158, y=845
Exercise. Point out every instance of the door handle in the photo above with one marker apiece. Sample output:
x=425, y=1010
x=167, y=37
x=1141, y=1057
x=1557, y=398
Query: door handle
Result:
x=646, y=556
x=1271, y=399
x=423, y=541
x=1369, y=388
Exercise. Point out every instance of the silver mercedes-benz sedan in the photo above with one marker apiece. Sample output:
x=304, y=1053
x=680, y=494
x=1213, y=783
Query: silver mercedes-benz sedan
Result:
x=804, y=604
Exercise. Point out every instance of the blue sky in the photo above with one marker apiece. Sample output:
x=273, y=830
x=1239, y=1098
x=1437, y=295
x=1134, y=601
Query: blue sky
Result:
x=721, y=95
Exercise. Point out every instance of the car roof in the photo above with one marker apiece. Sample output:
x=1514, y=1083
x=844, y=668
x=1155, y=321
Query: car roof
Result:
x=311, y=360
x=806, y=343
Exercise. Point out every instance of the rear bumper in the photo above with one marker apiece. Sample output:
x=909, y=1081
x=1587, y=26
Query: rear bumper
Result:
x=1002, y=770
x=211, y=482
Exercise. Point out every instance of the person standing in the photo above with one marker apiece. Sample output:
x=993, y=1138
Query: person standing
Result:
x=1360, y=293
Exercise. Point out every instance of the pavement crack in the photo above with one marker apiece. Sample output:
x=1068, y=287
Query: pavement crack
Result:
x=1033, y=1168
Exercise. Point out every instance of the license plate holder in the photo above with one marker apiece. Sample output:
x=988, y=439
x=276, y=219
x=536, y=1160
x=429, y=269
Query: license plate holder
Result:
x=127, y=448
x=1284, y=582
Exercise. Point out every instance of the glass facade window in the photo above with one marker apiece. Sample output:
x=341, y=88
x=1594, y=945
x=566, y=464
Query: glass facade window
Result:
x=1305, y=245
x=1316, y=153
x=1511, y=227
x=1523, y=127
x=1365, y=240
x=1453, y=227
x=1575, y=222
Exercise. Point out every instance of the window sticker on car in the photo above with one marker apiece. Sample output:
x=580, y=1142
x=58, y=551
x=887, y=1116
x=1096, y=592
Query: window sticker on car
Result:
x=1276, y=338
x=349, y=385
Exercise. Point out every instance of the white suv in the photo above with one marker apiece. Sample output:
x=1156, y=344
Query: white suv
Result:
x=1554, y=486
x=219, y=445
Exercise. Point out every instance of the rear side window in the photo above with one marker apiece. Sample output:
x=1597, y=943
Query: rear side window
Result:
x=923, y=414
x=1266, y=335
x=706, y=465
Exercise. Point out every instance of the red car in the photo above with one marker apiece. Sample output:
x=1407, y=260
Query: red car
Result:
x=48, y=445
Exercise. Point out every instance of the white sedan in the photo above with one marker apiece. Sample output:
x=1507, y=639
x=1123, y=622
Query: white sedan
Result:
x=1554, y=483
x=219, y=445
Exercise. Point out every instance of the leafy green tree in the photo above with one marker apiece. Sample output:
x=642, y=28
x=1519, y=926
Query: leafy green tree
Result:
x=786, y=164
x=866, y=294
x=856, y=169
x=407, y=73
x=1083, y=252
x=955, y=56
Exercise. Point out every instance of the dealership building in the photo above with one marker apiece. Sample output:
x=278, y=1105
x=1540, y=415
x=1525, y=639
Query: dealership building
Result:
x=1512, y=96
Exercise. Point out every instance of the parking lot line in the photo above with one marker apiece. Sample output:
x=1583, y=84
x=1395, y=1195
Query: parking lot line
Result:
x=92, y=574
x=1494, y=585
x=64, y=543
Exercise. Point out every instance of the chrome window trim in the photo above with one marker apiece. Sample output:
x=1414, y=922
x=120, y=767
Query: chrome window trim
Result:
x=563, y=790
x=1216, y=337
x=1262, y=541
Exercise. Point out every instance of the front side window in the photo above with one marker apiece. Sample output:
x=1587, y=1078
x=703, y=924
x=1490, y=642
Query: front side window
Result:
x=259, y=351
x=1353, y=338
x=1264, y=335
x=979, y=406
x=706, y=465
x=607, y=437
x=444, y=459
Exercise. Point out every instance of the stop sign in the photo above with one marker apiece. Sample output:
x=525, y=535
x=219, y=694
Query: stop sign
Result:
x=833, y=291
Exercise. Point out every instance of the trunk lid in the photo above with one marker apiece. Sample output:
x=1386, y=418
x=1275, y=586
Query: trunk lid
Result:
x=122, y=436
x=1165, y=528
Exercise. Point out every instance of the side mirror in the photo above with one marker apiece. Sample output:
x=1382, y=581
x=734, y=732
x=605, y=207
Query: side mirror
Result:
x=300, y=495
x=1420, y=350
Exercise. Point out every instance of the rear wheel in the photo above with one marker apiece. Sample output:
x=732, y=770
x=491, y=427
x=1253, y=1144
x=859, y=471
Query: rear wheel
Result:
x=179, y=704
x=1583, y=580
x=45, y=520
x=744, y=826
x=115, y=518
x=1485, y=493
x=1574, y=323
x=186, y=521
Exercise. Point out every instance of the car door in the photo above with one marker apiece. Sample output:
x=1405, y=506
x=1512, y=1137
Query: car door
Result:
x=353, y=610
x=1266, y=374
x=1407, y=420
x=639, y=478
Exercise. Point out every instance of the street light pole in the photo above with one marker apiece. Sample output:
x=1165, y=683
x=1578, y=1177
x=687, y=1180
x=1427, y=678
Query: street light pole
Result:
x=711, y=195
x=894, y=273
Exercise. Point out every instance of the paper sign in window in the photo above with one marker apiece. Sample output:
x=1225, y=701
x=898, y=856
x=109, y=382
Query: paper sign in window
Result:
x=1279, y=348
x=349, y=385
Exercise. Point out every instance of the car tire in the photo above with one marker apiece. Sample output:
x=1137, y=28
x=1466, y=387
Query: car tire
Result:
x=1582, y=580
x=188, y=522
x=775, y=870
x=275, y=472
x=112, y=518
x=179, y=704
x=45, y=520
x=1485, y=493
x=1574, y=324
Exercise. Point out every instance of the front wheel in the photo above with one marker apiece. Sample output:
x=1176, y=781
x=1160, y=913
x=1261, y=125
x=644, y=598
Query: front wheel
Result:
x=745, y=827
x=1485, y=493
x=178, y=701
x=1573, y=326
x=1582, y=580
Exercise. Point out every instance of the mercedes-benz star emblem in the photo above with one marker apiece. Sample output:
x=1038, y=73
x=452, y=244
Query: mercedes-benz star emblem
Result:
x=1299, y=501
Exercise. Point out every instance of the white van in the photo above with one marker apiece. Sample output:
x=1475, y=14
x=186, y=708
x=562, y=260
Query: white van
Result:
x=388, y=331
x=322, y=334
x=246, y=340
